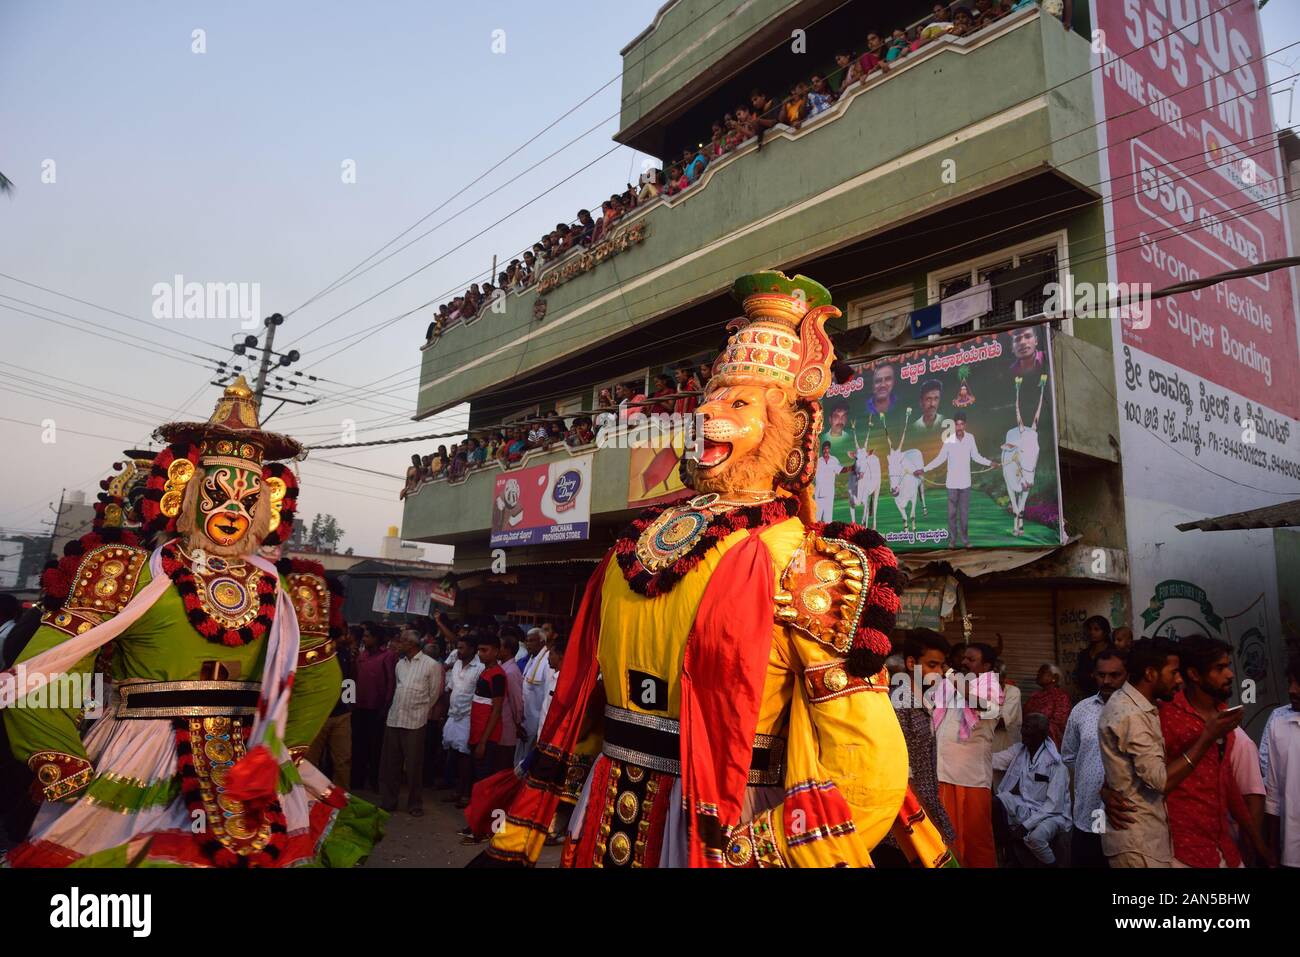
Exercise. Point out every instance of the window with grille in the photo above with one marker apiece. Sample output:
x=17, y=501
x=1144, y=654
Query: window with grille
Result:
x=1018, y=281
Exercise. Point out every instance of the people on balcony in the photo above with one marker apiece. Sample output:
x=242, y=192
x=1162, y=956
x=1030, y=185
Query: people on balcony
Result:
x=606, y=410
x=685, y=382
x=820, y=96
x=753, y=119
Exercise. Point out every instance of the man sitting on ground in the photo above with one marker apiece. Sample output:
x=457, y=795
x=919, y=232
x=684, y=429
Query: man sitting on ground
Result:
x=1033, y=800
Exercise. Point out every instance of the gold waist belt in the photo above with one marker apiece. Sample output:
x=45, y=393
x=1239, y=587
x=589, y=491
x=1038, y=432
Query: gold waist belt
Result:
x=187, y=699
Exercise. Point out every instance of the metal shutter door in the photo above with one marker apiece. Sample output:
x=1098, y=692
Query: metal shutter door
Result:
x=1024, y=618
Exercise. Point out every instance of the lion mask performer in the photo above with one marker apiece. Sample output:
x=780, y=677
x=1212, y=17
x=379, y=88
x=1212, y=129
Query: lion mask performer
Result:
x=224, y=667
x=723, y=679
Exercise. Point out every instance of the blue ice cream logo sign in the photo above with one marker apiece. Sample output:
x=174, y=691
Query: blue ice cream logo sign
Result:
x=564, y=493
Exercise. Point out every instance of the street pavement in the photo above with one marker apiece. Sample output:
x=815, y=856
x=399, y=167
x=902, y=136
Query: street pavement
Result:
x=431, y=840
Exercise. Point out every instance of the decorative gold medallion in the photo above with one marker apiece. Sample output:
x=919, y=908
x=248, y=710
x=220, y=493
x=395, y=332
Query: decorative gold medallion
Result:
x=620, y=848
x=627, y=807
x=276, y=488
x=634, y=773
x=739, y=850
x=670, y=536
x=218, y=749
x=836, y=679
x=180, y=472
x=106, y=587
x=227, y=592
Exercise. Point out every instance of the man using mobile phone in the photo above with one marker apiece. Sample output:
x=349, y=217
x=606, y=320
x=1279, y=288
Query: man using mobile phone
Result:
x=1198, y=719
x=1196, y=725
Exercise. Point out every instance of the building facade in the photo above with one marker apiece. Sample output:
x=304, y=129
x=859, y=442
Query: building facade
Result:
x=960, y=192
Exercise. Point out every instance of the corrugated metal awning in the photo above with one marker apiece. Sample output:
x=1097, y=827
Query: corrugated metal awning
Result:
x=1281, y=515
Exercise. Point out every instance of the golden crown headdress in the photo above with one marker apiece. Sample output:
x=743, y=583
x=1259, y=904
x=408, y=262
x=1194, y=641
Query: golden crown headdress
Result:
x=782, y=340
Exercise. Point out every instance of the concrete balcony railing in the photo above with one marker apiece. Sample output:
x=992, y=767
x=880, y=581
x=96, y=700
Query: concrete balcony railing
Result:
x=959, y=117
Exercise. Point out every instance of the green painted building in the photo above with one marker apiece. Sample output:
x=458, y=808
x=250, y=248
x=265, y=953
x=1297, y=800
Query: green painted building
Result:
x=970, y=159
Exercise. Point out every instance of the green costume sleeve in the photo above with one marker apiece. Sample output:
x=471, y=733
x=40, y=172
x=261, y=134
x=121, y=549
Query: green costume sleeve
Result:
x=315, y=692
x=44, y=726
x=48, y=719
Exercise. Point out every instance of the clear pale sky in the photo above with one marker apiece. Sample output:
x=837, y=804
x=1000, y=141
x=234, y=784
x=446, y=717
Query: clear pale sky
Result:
x=226, y=166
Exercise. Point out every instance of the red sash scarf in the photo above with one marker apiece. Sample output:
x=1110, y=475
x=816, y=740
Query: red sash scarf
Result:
x=535, y=805
x=722, y=687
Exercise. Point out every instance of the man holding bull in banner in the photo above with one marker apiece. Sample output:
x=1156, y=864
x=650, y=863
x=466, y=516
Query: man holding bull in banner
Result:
x=958, y=450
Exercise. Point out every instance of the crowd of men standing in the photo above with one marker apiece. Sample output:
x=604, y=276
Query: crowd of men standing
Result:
x=437, y=705
x=1149, y=768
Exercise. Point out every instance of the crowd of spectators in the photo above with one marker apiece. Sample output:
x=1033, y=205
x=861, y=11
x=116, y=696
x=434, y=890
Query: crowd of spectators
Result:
x=881, y=50
x=585, y=231
x=1146, y=767
x=808, y=98
x=676, y=392
x=439, y=704
x=503, y=447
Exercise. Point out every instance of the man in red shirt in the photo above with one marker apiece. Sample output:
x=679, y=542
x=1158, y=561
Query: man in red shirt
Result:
x=686, y=383
x=1200, y=803
x=1051, y=701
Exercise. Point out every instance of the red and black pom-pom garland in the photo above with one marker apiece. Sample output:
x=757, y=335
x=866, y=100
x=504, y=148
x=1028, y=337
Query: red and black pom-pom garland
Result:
x=288, y=566
x=652, y=584
x=871, y=642
x=207, y=626
x=288, y=505
x=58, y=576
x=151, y=498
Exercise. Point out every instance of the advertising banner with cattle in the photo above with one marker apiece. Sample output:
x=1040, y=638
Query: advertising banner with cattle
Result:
x=542, y=503
x=947, y=447
x=1207, y=382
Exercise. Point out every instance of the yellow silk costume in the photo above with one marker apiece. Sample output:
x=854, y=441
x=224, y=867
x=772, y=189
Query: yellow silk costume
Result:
x=726, y=661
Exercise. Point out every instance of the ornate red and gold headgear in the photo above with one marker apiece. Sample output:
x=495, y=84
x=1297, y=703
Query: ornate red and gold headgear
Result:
x=232, y=431
x=782, y=339
x=781, y=343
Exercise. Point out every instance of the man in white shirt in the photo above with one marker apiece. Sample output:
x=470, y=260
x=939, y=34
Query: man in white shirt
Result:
x=1282, y=780
x=1033, y=800
x=964, y=739
x=958, y=451
x=828, y=467
x=460, y=682
x=1082, y=754
x=419, y=684
x=536, y=677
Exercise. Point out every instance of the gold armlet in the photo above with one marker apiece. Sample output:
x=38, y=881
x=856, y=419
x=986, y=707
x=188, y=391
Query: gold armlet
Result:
x=59, y=775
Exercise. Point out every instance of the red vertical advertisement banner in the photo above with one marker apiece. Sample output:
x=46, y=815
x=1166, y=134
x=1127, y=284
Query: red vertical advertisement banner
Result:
x=1196, y=188
x=1207, y=382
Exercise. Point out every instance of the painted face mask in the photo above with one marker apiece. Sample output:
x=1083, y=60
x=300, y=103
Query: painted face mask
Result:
x=228, y=500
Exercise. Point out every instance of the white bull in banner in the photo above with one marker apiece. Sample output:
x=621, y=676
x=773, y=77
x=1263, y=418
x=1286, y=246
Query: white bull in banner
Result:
x=864, y=484
x=907, y=488
x=1020, y=459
